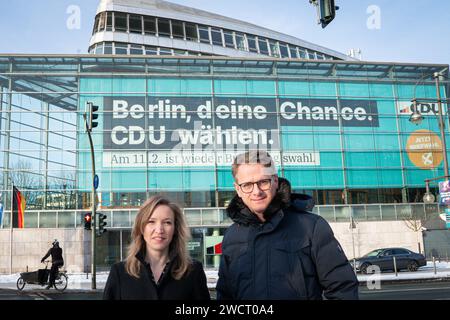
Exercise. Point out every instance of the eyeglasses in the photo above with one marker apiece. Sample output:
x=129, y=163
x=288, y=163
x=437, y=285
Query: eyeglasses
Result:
x=263, y=185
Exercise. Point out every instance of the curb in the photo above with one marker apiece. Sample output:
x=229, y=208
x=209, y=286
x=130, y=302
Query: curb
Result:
x=406, y=281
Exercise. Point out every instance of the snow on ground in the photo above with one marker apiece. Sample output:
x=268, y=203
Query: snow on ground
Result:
x=83, y=280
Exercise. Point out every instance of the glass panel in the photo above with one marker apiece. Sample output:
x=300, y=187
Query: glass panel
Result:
x=342, y=213
x=193, y=217
x=135, y=49
x=320, y=56
x=240, y=41
x=109, y=21
x=191, y=32
x=121, y=48
x=216, y=36
x=359, y=213
x=229, y=39
x=108, y=48
x=177, y=29
x=373, y=212
x=149, y=25
x=30, y=220
x=120, y=21
x=204, y=34
x=263, y=48
x=121, y=219
x=99, y=49
x=388, y=212
x=209, y=216
x=47, y=220
x=102, y=22
x=163, y=27
x=135, y=23
x=165, y=52
x=252, y=43
x=95, y=29
x=274, y=49
x=404, y=211
x=311, y=55
x=327, y=213
x=66, y=219
x=151, y=51
x=293, y=52
x=302, y=53
x=284, y=51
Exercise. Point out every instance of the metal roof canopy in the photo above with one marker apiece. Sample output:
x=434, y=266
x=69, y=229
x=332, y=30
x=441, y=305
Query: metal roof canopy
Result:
x=55, y=77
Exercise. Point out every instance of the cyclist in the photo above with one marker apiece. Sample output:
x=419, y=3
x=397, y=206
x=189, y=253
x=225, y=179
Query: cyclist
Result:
x=57, y=261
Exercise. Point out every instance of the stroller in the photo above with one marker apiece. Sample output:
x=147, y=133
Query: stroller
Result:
x=41, y=277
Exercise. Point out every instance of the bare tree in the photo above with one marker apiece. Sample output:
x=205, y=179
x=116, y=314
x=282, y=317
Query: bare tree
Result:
x=26, y=180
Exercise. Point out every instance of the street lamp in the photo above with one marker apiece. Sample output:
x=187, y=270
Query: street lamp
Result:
x=417, y=118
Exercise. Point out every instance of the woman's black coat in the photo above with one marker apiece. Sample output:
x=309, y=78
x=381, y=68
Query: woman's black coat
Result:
x=122, y=286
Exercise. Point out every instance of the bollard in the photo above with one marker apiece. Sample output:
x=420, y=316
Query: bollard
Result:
x=354, y=265
x=395, y=266
x=87, y=275
x=27, y=268
x=434, y=265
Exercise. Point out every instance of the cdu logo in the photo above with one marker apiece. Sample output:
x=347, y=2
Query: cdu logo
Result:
x=406, y=108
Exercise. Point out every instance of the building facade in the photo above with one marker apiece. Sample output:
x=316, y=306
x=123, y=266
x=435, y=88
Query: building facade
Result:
x=338, y=130
x=156, y=27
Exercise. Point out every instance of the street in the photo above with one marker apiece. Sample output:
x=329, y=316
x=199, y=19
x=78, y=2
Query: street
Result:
x=406, y=291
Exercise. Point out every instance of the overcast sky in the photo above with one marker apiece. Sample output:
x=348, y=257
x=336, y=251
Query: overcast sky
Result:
x=384, y=30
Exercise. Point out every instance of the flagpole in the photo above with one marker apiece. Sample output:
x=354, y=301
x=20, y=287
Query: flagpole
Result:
x=11, y=230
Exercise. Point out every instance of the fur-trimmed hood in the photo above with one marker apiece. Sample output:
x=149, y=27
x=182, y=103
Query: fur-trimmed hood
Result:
x=241, y=214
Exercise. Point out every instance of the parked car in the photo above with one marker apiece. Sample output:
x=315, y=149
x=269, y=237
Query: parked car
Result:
x=384, y=258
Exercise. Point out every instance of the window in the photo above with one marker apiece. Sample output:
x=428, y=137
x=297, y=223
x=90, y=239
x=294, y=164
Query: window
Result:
x=191, y=32
x=108, y=48
x=109, y=21
x=204, y=34
x=274, y=49
x=102, y=21
x=163, y=27
x=400, y=251
x=179, y=52
x=151, y=51
x=121, y=48
x=120, y=21
x=302, y=53
x=284, y=51
x=99, y=48
x=263, y=48
x=311, y=55
x=135, y=23
x=320, y=56
x=135, y=49
x=240, y=42
x=229, y=39
x=177, y=29
x=252, y=43
x=165, y=51
x=149, y=25
x=293, y=52
x=216, y=36
x=95, y=29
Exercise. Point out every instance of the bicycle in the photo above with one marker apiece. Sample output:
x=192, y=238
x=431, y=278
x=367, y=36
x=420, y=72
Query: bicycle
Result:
x=41, y=277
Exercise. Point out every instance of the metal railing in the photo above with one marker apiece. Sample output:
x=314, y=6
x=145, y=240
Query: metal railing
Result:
x=217, y=217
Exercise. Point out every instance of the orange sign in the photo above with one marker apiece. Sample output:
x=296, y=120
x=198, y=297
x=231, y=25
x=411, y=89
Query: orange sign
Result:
x=424, y=149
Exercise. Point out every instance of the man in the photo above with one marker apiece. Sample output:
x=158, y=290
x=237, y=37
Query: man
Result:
x=57, y=261
x=276, y=249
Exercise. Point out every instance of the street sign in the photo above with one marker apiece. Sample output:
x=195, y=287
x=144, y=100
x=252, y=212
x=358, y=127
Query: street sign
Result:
x=96, y=181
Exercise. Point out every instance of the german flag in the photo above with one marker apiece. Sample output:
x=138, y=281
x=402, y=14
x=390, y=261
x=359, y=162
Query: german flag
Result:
x=18, y=209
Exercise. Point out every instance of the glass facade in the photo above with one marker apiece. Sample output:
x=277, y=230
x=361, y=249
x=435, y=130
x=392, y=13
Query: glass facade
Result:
x=338, y=131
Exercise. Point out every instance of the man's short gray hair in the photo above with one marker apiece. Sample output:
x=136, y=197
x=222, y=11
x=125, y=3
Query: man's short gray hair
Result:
x=254, y=157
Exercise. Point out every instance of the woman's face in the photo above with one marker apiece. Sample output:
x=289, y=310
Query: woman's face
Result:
x=159, y=230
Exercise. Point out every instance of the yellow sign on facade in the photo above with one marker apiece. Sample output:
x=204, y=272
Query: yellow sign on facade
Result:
x=424, y=149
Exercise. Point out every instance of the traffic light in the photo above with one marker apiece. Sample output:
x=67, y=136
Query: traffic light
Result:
x=326, y=11
x=87, y=221
x=101, y=223
x=92, y=116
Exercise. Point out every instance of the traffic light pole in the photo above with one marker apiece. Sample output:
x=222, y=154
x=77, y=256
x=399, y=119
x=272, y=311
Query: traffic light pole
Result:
x=93, y=216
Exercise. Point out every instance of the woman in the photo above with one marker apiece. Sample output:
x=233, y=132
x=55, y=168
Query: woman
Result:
x=158, y=266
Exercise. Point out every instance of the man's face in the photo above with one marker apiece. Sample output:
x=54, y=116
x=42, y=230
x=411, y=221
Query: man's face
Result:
x=257, y=200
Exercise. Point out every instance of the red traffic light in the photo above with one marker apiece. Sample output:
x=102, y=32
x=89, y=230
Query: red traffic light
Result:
x=87, y=221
